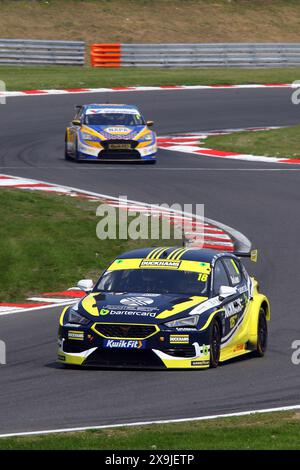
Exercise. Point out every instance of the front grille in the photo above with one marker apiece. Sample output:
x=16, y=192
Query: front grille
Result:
x=119, y=155
x=124, y=358
x=125, y=331
x=183, y=351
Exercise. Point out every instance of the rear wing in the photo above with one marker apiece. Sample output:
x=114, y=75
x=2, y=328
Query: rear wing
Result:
x=253, y=255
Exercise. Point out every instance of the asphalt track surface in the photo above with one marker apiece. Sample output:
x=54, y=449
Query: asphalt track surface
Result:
x=261, y=200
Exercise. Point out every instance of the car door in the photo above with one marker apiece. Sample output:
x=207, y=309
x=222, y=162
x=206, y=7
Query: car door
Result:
x=74, y=128
x=221, y=278
x=237, y=304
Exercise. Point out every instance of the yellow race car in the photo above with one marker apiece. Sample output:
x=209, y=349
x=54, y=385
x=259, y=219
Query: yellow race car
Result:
x=166, y=308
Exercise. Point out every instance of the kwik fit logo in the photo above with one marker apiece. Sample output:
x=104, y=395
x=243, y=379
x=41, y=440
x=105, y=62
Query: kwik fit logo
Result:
x=123, y=343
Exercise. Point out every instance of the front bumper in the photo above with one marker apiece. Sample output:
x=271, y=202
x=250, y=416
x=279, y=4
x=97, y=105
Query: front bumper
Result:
x=162, y=349
x=103, y=153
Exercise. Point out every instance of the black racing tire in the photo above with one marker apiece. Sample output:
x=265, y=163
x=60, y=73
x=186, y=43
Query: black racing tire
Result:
x=262, y=334
x=76, y=152
x=215, y=344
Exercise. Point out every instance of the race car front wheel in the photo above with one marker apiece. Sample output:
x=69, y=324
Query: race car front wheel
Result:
x=67, y=156
x=215, y=344
x=262, y=334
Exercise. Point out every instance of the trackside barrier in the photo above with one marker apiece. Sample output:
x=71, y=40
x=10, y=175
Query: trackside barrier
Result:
x=106, y=55
x=196, y=55
x=35, y=52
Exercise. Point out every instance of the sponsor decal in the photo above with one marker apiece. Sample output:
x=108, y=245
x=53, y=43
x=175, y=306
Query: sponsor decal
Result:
x=132, y=313
x=199, y=363
x=124, y=344
x=160, y=264
x=61, y=357
x=242, y=289
x=77, y=335
x=201, y=350
x=104, y=311
x=233, y=308
x=117, y=130
x=185, y=329
x=179, y=339
x=232, y=320
x=107, y=110
x=127, y=307
x=136, y=301
x=235, y=279
x=239, y=347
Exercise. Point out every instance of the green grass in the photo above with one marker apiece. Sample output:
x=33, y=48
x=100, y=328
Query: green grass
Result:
x=259, y=431
x=47, y=77
x=283, y=142
x=49, y=242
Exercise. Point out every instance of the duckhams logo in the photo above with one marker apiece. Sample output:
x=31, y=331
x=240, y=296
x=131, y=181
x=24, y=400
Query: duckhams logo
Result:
x=136, y=301
x=124, y=344
x=160, y=264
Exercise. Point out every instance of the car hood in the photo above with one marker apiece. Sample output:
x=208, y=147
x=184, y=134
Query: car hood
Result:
x=119, y=132
x=136, y=308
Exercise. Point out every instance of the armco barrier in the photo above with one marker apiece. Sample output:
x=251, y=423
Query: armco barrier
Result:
x=31, y=52
x=196, y=55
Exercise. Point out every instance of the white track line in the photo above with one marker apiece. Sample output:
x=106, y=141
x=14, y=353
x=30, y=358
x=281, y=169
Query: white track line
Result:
x=147, y=423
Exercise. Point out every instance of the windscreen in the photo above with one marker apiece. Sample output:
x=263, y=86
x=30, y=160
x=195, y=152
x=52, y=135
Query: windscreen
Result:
x=156, y=281
x=114, y=119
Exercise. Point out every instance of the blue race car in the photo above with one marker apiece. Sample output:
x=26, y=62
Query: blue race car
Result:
x=106, y=132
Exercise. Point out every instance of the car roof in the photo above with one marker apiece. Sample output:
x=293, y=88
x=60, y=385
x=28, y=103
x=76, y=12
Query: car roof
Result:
x=188, y=254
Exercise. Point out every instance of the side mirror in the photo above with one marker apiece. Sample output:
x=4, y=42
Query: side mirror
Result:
x=85, y=284
x=227, y=291
x=76, y=122
x=150, y=123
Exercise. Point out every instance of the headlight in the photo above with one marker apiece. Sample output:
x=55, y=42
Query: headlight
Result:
x=187, y=321
x=74, y=317
x=90, y=137
x=146, y=138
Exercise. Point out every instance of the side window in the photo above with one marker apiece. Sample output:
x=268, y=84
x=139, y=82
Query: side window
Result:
x=220, y=277
x=234, y=271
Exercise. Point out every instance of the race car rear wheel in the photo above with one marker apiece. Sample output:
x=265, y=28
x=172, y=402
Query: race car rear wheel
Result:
x=215, y=344
x=262, y=334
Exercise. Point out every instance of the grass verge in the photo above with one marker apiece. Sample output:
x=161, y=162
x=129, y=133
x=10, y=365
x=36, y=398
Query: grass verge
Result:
x=57, y=77
x=260, y=431
x=283, y=142
x=49, y=242
x=161, y=21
